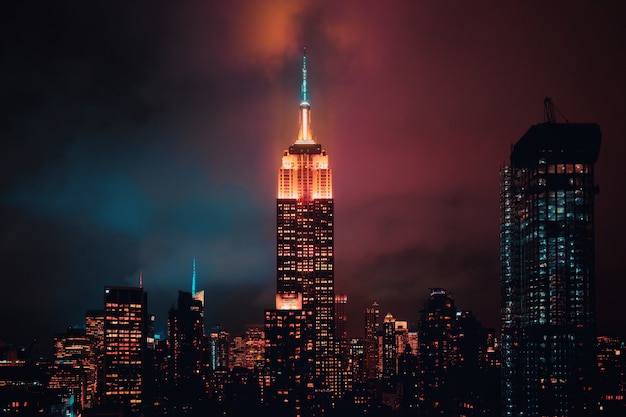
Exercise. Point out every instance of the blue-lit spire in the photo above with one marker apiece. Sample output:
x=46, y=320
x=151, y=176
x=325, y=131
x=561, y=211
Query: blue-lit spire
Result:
x=304, y=92
x=193, y=279
x=304, y=135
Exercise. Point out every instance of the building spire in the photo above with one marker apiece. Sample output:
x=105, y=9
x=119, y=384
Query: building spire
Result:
x=304, y=135
x=140, y=279
x=193, y=279
x=304, y=92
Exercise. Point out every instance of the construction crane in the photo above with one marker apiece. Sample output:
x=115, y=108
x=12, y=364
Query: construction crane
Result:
x=548, y=111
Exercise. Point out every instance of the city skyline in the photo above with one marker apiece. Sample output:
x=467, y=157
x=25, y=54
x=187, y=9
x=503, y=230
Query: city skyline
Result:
x=122, y=161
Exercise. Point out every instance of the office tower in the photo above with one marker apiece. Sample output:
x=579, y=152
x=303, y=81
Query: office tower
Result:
x=408, y=379
x=611, y=385
x=389, y=346
x=305, y=233
x=548, y=270
x=125, y=336
x=94, y=329
x=341, y=338
x=219, y=342
x=356, y=360
x=219, y=359
x=71, y=369
x=439, y=351
x=372, y=326
x=185, y=327
x=289, y=357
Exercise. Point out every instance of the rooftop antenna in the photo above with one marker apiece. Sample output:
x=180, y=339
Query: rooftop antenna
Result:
x=140, y=279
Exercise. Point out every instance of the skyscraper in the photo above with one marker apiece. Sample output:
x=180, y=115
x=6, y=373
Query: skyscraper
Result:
x=390, y=348
x=371, y=367
x=71, y=370
x=125, y=336
x=548, y=270
x=94, y=329
x=185, y=328
x=305, y=232
x=439, y=351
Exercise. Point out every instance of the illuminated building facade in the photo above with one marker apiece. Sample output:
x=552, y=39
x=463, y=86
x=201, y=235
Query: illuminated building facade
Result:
x=247, y=351
x=305, y=233
x=219, y=357
x=611, y=385
x=548, y=271
x=372, y=357
x=390, y=348
x=71, y=369
x=94, y=329
x=289, y=356
x=341, y=338
x=125, y=336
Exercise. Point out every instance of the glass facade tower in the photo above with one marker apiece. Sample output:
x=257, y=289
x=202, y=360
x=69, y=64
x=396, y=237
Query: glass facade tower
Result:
x=548, y=271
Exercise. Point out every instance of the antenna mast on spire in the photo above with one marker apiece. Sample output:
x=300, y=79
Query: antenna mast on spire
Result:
x=304, y=134
x=193, y=279
x=304, y=92
x=140, y=279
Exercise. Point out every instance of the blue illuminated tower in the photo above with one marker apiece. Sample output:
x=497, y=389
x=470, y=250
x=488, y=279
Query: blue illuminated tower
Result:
x=548, y=271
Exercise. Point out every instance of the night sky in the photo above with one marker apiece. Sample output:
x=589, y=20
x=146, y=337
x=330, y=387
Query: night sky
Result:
x=137, y=136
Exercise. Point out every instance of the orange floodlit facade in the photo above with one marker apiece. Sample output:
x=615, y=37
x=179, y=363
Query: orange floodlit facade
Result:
x=305, y=254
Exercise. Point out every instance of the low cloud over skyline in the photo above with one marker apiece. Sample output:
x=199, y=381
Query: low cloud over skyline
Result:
x=140, y=136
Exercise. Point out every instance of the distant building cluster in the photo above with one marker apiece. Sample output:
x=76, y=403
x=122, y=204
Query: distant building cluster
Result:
x=546, y=360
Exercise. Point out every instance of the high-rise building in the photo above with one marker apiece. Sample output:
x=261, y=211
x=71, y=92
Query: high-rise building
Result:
x=341, y=338
x=125, y=345
x=611, y=386
x=305, y=233
x=390, y=348
x=71, y=370
x=219, y=357
x=371, y=369
x=548, y=270
x=439, y=351
x=289, y=357
x=94, y=329
x=185, y=328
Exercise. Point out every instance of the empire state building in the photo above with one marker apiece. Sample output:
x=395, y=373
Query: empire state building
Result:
x=305, y=260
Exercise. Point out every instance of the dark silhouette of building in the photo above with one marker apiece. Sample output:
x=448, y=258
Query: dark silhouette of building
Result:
x=185, y=334
x=439, y=352
x=372, y=369
x=454, y=379
x=23, y=383
x=548, y=270
x=288, y=386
